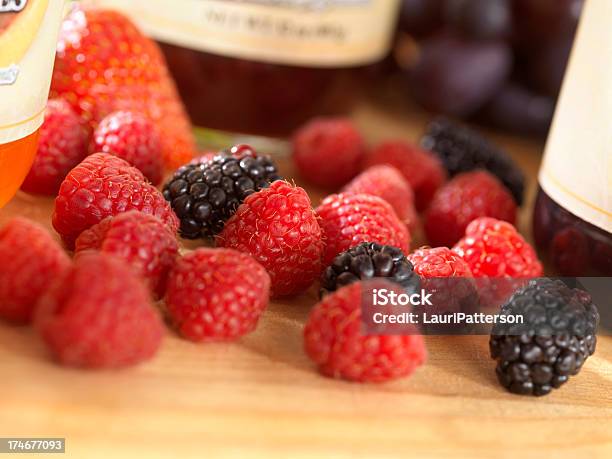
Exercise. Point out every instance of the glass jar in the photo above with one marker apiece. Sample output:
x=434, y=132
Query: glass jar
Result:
x=28, y=33
x=265, y=66
x=572, y=219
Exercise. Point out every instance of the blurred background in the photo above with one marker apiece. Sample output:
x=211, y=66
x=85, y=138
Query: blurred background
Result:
x=496, y=62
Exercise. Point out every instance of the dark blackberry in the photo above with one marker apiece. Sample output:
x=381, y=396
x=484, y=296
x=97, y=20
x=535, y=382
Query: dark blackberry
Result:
x=556, y=338
x=366, y=261
x=461, y=149
x=204, y=196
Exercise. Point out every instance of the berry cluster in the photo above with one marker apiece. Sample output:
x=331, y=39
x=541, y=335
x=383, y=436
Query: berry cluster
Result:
x=104, y=147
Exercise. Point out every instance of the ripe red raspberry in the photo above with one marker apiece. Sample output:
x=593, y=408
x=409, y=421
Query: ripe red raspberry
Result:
x=328, y=152
x=348, y=219
x=466, y=197
x=494, y=248
x=217, y=294
x=448, y=278
x=387, y=183
x=131, y=136
x=278, y=228
x=439, y=262
x=62, y=144
x=101, y=186
x=30, y=261
x=421, y=168
x=99, y=315
x=141, y=240
x=334, y=341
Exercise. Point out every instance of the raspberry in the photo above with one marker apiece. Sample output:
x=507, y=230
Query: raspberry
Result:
x=141, y=240
x=334, y=341
x=99, y=315
x=348, y=219
x=558, y=336
x=62, y=144
x=328, y=152
x=423, y=171
x=278, y=228
x=387, y=183
x=131, y=136
x=461, y=150
x=366, y=261
x=101, y=186
x=448, y=278
x=494, y=248
x=217, y=294
x=438, y=262
x=30, y=260
x=466, y=197
x=204, y=194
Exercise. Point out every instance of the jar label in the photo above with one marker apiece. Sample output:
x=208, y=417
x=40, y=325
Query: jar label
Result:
x=312, y=33
x=28, y=34
x=577, y=167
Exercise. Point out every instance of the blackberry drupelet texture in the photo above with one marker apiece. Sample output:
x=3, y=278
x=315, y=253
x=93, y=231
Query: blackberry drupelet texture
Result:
x=366, y=261
x=205, y=195
x=556, y=338
x=461, y=150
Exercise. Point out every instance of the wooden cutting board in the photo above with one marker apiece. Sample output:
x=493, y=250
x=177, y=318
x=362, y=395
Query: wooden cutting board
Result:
x=262, y=398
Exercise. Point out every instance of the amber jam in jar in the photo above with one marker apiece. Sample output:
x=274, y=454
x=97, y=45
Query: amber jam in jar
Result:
x=572, y=219
x=265, y=66
x=28, y=33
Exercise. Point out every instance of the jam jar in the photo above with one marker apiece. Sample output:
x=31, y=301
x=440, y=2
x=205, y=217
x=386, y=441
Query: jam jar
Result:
x=28, y=33
x=265, y=66
x=572, y=220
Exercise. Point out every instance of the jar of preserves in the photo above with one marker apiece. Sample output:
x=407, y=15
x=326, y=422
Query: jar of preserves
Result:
x=28, y=33
x=265, y=66
x=572, y=220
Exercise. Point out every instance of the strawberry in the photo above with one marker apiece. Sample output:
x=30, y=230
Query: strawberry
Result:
x=104, y=64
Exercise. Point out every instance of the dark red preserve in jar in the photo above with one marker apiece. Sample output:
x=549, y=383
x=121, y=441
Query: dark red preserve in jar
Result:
x=572, y=219
x=265, y=66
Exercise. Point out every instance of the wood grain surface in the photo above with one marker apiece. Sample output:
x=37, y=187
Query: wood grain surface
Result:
x=262, y=398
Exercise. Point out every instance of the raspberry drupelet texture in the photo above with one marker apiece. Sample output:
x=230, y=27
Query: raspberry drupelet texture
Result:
x=552, y=344
x=494, y=248
x=335, y=343
x=366, y=261
x=466, y=197
x=131, y=136
x=62, y=144
x=31, y=260
x=422, y=169
x=439, y=262
x=449, y=279
x=101, y=186
x=142, y=240
x=98, y=314
x=278, y=228
x=216, y=294
x=387, y=183
x=204, y=194
x=461, y=150
x=347, y=219
x=328, y=152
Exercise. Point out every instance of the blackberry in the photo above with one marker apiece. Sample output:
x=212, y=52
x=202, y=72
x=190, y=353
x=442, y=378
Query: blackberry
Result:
x=556, y=338
x=366, y=261
x=461, y=150
x=205, y=195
